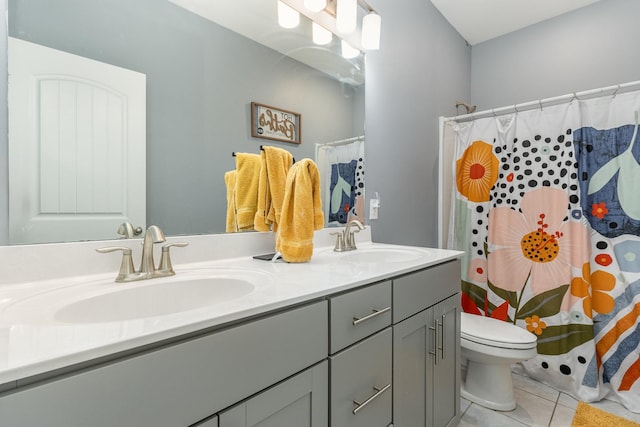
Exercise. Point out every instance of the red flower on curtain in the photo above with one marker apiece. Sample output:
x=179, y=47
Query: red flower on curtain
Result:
x=599, y=210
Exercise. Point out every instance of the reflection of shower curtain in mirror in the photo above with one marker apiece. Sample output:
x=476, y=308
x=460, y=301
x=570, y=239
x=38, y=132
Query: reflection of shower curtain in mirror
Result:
x=341, y=167
x=547, y=208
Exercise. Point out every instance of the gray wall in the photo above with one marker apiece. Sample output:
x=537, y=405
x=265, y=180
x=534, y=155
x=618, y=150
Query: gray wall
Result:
x=4, y=170
x=201, y=79
x=421, y=70
x=592, y=47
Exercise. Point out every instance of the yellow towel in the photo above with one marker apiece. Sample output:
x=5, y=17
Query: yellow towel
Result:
x=230, y=182
x=301, y=212
x=246, y=194
x=276, y=162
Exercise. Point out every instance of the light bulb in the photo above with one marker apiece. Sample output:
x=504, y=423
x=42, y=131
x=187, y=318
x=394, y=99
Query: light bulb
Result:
x=371, y=31
x=315, y=5
x=348, y=51
x=288, y=17
x=321, y=35
x=346, y=16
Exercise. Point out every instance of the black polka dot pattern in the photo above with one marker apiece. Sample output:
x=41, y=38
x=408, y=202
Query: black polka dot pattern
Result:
x=527, y=163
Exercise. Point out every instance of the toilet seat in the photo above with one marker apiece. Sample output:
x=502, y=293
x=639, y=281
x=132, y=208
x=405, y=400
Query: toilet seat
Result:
x=495, y=333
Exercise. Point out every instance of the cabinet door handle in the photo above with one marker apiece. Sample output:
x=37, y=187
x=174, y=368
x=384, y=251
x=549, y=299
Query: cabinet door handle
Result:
x=442, y=336
x=434, y=328
x=378, y=392
x=376, y=312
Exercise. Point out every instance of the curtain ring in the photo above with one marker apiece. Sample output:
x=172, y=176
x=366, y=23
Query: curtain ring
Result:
x=540, y=104
x=493, y=112
x=515, y=107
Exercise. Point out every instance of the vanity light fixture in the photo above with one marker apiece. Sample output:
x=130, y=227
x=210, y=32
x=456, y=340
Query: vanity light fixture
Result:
x=315, y=5
x=321, y=36
x=288, y=17
x=347, y=16
x=371, y=24
x=348, y=51
x=339, y=17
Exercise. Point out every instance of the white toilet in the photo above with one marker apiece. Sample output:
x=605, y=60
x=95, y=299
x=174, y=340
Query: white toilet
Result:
x=491, y=346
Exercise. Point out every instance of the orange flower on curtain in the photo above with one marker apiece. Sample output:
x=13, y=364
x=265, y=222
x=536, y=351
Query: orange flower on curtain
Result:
x=477, y=171
x=601, y=282
x=538, y=244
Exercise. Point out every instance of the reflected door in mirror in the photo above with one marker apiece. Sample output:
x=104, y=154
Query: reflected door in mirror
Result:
x=77, y=146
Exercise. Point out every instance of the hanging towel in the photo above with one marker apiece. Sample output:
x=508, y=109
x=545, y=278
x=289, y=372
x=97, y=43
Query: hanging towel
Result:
x=246, y=192
x=230, y=182
x=275, y=163
x=301, y=212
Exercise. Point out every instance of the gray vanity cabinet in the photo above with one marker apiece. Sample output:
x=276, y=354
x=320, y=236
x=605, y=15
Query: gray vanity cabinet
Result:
x=426, y=348
x=300, y=401
x=209, y=422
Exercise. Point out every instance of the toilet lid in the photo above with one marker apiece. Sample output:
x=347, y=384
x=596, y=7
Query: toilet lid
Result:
x=496, y=333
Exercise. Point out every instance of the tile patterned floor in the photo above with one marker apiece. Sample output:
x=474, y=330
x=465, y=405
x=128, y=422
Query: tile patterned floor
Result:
x=538, y=406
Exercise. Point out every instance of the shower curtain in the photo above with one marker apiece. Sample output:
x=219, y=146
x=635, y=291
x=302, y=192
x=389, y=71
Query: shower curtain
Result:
x=341, y=166
x=546, y=205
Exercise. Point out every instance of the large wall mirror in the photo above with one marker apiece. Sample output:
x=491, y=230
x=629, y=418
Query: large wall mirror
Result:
x=201, y=77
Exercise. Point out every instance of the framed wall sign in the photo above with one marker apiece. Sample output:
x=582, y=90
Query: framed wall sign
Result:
x=275, y=123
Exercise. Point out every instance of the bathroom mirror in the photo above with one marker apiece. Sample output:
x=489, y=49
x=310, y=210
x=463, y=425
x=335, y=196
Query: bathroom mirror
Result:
x=201, y=78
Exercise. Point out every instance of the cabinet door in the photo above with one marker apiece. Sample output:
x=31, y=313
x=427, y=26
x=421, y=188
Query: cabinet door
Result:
x=301, y=401
x=413, y=371
x=446, y=373
x=426, y=367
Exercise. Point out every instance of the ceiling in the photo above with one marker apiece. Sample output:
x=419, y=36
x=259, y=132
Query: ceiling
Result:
x=481, y=20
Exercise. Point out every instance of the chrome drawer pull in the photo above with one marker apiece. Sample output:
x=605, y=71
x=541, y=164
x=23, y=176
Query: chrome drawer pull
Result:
x=358, y=320
x=442, y=336
x=379, y=391
x=434, y=328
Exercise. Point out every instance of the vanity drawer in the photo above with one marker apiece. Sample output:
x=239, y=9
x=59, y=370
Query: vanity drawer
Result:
x=362, y=374
x=416, y=291
x=358, y=314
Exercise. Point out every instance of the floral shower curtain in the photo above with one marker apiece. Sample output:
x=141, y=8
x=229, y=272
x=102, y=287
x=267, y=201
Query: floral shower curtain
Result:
x=547, y=208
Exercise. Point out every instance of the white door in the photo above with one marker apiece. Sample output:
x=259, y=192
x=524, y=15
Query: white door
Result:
x=77, y=136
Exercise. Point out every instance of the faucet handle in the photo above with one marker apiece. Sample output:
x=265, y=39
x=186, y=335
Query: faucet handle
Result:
x=339, y=241
x=126, y=266
x=165, y=267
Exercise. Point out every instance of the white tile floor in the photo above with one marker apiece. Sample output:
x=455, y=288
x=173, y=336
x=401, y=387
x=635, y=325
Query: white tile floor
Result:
x=538, y=406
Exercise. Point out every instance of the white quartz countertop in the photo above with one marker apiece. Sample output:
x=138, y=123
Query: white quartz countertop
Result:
x=34, y=341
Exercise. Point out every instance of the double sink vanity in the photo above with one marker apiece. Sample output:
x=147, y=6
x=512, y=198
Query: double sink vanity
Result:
x=368, y=337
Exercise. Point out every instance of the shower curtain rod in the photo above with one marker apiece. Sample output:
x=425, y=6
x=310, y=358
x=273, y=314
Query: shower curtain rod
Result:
x=340, y=141
x=620, y=88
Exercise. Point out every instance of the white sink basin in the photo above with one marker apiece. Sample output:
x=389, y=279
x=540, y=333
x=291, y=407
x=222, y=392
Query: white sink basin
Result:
x=99, y=301
x=154, y=299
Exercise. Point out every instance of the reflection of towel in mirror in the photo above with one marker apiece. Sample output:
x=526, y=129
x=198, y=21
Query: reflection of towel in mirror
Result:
x=301, y=212
x=246, y=194
x=276, y=162
x=230, y=182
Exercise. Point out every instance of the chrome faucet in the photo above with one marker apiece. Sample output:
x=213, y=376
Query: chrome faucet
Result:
x=345, y=240
x=148, y=269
